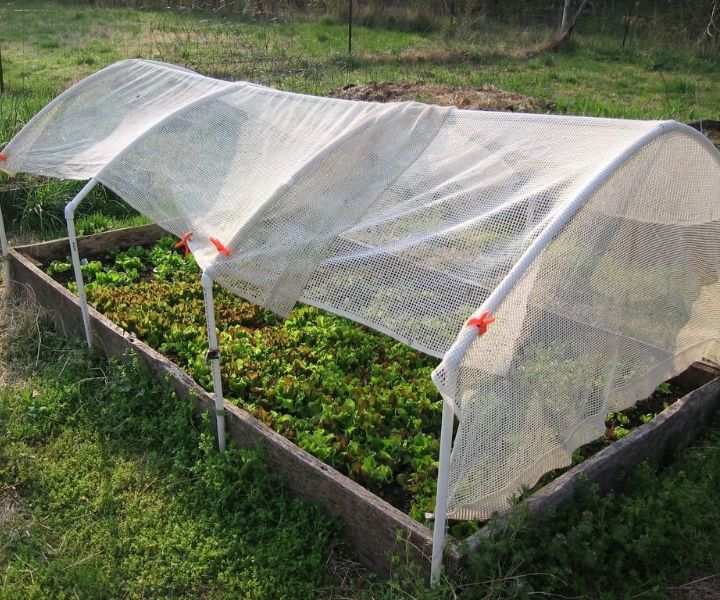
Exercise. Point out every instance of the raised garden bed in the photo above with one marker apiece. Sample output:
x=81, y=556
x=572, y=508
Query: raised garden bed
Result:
x=358, y=400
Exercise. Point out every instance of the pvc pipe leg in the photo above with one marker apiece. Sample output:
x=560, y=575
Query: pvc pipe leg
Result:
x=441, y=499
x=79, y=281
x=72, y=237
x=219, y=403
x=214, y=359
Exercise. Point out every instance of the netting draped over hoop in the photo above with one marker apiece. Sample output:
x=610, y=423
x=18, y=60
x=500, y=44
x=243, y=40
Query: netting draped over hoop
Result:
x=406, y=217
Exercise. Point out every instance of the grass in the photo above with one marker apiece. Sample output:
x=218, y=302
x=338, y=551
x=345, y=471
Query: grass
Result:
x=660, y=529
x=110, y=487
x=48, y=47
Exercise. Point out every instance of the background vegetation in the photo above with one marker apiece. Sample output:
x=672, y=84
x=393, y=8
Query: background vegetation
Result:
x=660, y=62
x=681, y=22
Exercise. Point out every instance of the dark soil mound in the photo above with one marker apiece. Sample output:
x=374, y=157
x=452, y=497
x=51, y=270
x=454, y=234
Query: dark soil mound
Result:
x=487, y=97
x=710, y=129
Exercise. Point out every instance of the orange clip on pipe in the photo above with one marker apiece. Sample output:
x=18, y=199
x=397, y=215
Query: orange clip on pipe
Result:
x=3, y=156
x=482, y=322
x=184, y=243
x=220, y=248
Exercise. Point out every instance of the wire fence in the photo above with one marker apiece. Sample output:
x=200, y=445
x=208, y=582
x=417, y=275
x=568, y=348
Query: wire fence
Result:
x=686, y=21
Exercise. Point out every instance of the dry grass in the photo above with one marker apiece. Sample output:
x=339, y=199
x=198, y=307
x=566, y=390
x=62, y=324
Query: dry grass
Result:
x=486, y=97
x=14, y=519
x=703, y=588
x=20, y=331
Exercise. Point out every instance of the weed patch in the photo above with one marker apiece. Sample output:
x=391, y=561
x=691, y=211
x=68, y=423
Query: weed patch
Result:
x=111, y=488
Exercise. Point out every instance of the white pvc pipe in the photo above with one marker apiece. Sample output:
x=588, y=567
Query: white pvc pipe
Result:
x=441, y=498
x=451, y=361
x=214, y=358
x=72, y=237
x=452, y=358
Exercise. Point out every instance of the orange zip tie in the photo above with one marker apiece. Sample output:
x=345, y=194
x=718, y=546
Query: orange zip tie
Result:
x=3, y=156
x=482, y=322
x=184, y=243
x=220, y=248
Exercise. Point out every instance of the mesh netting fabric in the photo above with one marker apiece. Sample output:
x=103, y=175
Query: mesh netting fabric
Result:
x=624, y=297
x=84, y=128
x=593, y=241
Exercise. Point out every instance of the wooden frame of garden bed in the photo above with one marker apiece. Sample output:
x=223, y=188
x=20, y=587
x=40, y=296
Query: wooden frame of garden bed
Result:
x=375, y=529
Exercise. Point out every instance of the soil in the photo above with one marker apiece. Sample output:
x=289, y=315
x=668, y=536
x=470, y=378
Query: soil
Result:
x=487, y=97
x=709, y=128
x=714, y=135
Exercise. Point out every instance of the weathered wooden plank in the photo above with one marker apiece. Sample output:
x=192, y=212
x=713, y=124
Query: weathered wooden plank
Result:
x=374, y=528
x=91, y=245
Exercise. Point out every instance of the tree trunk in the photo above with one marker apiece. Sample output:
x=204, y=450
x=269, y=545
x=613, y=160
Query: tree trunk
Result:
x=565, y=16
x=569, y=26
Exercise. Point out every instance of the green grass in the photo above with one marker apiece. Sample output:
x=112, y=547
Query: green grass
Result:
x=115, y=490
x=110, y=487
x=663, y=528
x=48, y=46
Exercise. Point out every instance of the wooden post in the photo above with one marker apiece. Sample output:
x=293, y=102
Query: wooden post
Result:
x=2, y=79
x=350, y=23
